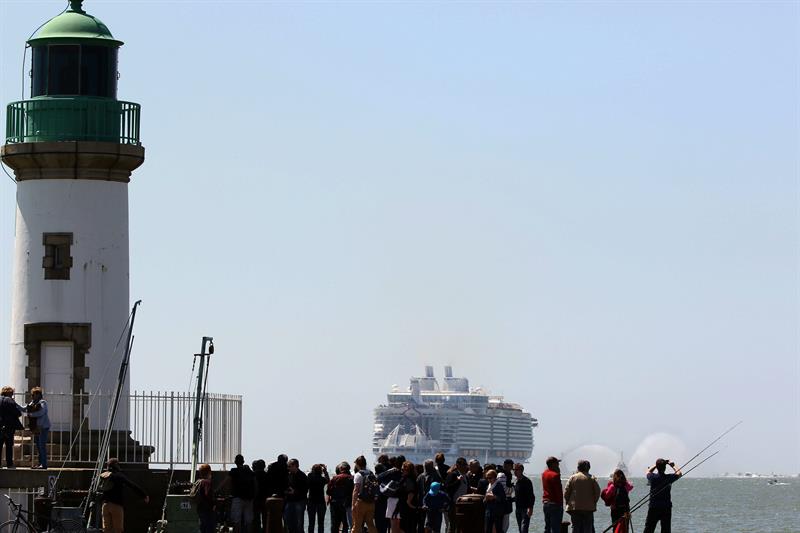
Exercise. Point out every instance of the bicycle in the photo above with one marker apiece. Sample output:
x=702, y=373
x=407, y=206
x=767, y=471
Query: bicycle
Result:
x=24, y=524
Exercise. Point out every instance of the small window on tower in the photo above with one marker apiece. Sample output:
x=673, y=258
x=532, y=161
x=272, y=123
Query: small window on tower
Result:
x=57, y=261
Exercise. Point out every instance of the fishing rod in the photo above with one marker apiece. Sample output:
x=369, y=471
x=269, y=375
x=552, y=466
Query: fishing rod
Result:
x=646, y=499
x=650, y=496
x=687, y=463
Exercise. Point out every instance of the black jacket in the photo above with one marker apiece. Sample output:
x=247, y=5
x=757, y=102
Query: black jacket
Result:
x=120, y=480
x=9, y=414
x=523, y=492
x=298, y=487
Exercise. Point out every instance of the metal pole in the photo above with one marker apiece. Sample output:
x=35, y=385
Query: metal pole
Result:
x=198, y=421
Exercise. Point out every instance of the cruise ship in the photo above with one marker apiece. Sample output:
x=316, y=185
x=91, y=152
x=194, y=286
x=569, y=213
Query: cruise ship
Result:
x=452, y=418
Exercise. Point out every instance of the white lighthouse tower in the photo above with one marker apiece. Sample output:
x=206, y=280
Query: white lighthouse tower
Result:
x=73, y=147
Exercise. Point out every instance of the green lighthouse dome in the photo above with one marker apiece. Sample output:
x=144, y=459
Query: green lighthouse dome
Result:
x=74, y=26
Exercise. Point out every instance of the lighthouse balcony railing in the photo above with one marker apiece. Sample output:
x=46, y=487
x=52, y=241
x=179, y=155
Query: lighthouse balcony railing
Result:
x=49, y=119
x=153, y=428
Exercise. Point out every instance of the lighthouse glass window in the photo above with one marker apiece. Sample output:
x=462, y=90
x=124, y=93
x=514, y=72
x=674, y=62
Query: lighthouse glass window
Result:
x=57, y=261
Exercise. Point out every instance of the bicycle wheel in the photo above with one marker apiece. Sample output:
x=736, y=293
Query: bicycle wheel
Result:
x=12, y=526
x=67, y=525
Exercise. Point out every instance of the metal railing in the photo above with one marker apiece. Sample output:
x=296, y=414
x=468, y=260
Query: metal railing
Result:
x=157, y=428
x=72, y=119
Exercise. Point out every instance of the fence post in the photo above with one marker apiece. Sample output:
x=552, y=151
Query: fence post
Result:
x=171, y=428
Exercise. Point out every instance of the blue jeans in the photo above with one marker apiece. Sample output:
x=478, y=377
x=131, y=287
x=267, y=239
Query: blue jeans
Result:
x=41, y=446
x=294, y=516
x=553, y=515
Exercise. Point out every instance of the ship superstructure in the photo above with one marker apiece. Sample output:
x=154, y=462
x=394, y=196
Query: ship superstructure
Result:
x=451, y=418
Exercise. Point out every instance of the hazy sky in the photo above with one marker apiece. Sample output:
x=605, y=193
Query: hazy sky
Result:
x=591, y=208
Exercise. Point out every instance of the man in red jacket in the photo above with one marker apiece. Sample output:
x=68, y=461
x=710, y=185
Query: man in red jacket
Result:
x=552, y=496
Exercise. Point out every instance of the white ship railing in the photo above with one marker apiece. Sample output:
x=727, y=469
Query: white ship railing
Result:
x=155, y=429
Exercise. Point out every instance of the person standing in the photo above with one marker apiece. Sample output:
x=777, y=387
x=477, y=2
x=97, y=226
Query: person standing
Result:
x=10, y=412
x=390, y=481
x=616, y=496
x=112, y=481
x=204, y=500
x=455, y=484
x=317, y=481
x=340, y=498
x=552, y=496
x=296, y=498
x=506, y=476
x=278, y=477
x=582, y=493
x=37, y=411
x=494, y=502
x=364, y=492
x=429, y=476
x=660, y=506
x=409, y=497
x=523, y=494
x=243, y=491
x=381, y=522
x=474, y=476
x=260, y=514
x=435, y=503
x=441, y=466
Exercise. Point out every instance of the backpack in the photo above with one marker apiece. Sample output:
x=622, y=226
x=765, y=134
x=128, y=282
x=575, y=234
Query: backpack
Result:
x=370, y=488
x=106, y=481
x=608, y=494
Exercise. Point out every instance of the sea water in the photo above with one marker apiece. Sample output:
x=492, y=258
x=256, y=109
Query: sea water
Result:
x=703, y=505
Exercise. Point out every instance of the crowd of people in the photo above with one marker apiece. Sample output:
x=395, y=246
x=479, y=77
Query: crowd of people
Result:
x=397, y=496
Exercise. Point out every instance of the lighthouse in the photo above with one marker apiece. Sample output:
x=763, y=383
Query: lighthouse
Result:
x=73, y=146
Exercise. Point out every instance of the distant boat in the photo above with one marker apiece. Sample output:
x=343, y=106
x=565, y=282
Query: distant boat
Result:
x=621, y=466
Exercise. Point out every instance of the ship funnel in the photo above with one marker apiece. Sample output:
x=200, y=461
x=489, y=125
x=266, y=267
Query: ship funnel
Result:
x=448, y=371
x=428, y=371
x=415, y=391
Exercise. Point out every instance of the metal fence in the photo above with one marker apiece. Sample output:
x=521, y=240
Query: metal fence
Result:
x=152, y=427
x=73, y=119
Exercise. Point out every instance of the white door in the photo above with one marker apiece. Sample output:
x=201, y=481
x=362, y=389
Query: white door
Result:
x=57, y=383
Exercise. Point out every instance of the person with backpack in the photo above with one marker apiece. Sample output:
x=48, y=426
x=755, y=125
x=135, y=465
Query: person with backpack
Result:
x=340, y=498
x=317, y=482
x=243, y=489
x=365, y=490
x=112, y=481
x=615, y=495
x=435, y=503
x=296, y=498
x=202, y=495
